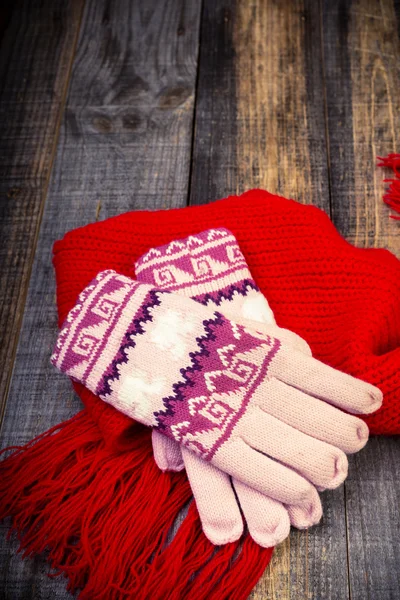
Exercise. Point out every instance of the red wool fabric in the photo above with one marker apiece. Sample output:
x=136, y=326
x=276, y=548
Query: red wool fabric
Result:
x=344, y=301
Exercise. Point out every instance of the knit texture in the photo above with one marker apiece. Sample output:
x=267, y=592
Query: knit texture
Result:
x=210, y=268
x=213, y=385
x=343, y=301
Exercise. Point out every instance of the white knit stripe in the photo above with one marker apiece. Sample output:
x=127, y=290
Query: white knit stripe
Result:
x=115, y=340
x=154, y=364
x=218, y=283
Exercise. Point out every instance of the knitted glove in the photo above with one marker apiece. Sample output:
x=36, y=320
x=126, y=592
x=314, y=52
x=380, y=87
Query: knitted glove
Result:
x=213, y=261
x=213, y=385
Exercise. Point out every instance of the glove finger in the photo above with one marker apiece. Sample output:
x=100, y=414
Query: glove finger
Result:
x=312, y=416
x=267, y=520
x=322, y=464
x=306, y=514
x=215, y=499
x=262, y=473
x=290, y=338
x=167, y=453
x=324, y=382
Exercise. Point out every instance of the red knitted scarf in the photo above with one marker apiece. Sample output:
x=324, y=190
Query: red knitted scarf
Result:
x=100, y=507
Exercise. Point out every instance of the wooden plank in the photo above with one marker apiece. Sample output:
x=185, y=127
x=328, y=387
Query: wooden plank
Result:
x=125, y=143
x=260, y=123
x=259, y=116
x=38, y=44
x=373, y=500
x=363, y=100
x=363, y=108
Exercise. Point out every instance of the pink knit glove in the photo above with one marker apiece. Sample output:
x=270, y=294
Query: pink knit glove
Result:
x=213, y=260
x=234, y=396
x=210, y=268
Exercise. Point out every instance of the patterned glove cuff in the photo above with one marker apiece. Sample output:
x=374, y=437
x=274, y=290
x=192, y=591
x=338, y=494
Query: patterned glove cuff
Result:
x=164, y=359
x=202, y=266
x=111, y=304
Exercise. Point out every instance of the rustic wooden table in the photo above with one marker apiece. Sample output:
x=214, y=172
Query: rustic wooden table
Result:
x=109, y=106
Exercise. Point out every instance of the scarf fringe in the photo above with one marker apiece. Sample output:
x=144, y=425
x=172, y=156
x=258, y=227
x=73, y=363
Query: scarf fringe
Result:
x=392, y=195
x=103, y=520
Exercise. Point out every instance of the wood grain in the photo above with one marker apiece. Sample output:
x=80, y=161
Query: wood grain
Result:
x=260, y=123
x=362, y=53
x=362, y=57
x=281, y=143
x=259, y=119
x=373, y=520
x=281, y=147
x=124, y=143
x=287, y=64
x=214, y=161
x=38, y=42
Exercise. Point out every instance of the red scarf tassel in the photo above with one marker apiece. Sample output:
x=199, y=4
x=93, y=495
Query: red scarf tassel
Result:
x=103, y=518
x=392, y=195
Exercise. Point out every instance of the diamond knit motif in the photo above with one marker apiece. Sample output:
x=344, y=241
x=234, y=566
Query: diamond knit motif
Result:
x=217, y=386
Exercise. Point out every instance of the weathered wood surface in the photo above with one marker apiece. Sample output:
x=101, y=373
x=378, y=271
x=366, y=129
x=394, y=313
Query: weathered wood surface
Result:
x=37, y=49
x=171, y=101
x=260, y=123
x=361, y=46
x=259, y=117
x=124, y=143
x=362, y=65
x=275, y=104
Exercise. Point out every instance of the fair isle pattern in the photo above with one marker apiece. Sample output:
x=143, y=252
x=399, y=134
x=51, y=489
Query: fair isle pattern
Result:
x=57, y=358
x=217, y=387
x=137, y=327
x=164, y=360
x=85, y=343
x=210, y=268
x=195, y=264
x=223, y=281
x=227, y=294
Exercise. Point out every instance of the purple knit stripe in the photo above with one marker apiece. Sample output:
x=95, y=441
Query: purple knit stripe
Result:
x=222, y=359
x=112, y=286
x=183, y=389
x=97, y=313
x=261, y=376
x=184, y=247
x=74, y=314
x=95, y=310
x=227, y=293
x=135, y=328
x=199, y=269
x=208, y=278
